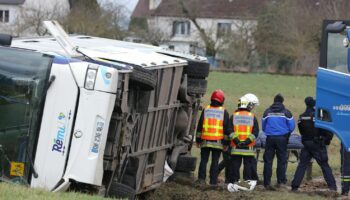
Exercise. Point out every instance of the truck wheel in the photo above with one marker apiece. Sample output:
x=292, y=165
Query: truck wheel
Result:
x=121, y=191
x=143, y=78
x=196, y=69
x=196, y=86
x=186, y=163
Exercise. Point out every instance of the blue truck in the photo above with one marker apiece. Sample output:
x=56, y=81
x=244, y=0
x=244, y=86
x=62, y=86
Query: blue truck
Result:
x=333, y=81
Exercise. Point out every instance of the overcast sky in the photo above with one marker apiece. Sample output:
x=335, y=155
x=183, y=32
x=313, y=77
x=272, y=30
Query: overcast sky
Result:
x=128, y=4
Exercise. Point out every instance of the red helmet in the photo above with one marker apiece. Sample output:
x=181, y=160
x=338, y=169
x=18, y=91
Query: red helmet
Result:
x=218, y=95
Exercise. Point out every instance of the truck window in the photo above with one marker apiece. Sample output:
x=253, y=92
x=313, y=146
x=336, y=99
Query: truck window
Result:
x=337, y=53
x=23, y=83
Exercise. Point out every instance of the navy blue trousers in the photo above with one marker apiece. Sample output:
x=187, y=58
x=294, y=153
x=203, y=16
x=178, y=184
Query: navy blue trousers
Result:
x=275, y=145
x=225, y=164
x=319, y=153
x=345, y=170
x=248, y=167
x=214, y=167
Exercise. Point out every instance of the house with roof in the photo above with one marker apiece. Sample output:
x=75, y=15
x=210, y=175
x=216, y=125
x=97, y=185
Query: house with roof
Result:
x=18, y=17
x=215, y=17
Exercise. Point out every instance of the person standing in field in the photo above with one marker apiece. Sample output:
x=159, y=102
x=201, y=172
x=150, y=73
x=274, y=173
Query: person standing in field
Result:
x=314, y=141
x=246, y=129
x=345, y=170
x=225, y=164
x=213, y=127
x=277, y=123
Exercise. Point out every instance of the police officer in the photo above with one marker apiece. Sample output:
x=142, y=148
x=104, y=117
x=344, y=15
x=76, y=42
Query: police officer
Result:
x=314, y=141
x=246, y=129
x=277, y=124
x=345, y=171
x=213, y=125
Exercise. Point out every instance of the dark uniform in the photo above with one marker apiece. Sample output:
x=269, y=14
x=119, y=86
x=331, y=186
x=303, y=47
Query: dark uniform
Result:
x=314, y=141
x=277, y=124
x=213, y=146
x=225, y=164
x=345, y=170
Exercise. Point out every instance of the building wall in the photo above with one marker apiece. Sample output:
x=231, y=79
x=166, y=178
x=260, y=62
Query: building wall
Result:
x=13, y=14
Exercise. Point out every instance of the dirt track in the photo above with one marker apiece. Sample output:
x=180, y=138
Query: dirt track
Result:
x=184, y=189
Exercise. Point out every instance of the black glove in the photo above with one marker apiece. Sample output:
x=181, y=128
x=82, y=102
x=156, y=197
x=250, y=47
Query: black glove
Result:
x=236, y=141
x=241, y=144
x=246, y=142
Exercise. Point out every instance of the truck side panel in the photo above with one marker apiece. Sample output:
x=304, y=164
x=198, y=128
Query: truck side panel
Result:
x=333, y=103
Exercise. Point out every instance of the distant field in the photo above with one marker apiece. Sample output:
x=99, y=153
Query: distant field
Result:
x=264, y=86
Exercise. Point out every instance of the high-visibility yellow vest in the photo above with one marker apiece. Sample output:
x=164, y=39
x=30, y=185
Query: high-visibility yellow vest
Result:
x=243, y=122
x=213, y=123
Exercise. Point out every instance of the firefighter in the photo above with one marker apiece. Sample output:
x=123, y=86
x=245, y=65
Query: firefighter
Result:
x=314, y=141
x=246, y=129
x=345, y=170
x=277, y=123
x=213, y=127
x=255, y=101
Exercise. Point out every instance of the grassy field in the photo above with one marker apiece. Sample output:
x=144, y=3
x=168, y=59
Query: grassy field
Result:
x=16, y=192
x=264, y=86
x=294, y=89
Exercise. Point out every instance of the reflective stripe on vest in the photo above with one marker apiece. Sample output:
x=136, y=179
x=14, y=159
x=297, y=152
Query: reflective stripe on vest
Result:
x=243, y=122
x=212, y=144
x=213, y=123
x=243, y=152
x=345, y=178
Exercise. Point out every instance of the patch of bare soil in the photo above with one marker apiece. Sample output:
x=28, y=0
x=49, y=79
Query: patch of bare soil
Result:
x=176, y=191
x=318, y=187
x=186, y=189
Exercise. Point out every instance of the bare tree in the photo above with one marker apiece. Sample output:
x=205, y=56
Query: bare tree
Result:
x=289, y=33
x=147, y=31
x=239, y=50
x=102, y=21
x=31, y=16
x=234, y=44
x=209, y=42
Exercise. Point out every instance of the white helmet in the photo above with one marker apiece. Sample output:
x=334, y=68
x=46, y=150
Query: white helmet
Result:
x=243, y=102
x=252, y=99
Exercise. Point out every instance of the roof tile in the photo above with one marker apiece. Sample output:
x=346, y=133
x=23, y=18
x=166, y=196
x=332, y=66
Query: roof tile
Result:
x=12, y=2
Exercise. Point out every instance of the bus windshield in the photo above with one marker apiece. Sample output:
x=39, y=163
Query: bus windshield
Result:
x=23, y=83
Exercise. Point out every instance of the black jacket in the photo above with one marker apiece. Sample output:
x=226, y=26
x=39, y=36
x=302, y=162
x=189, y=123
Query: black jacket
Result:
x=308, y=131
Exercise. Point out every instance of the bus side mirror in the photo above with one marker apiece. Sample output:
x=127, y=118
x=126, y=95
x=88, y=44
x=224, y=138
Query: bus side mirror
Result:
x=5, y=40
